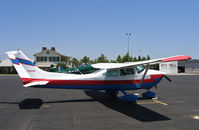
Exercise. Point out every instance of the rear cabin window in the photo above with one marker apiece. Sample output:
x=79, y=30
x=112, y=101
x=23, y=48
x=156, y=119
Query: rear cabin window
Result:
x=112, y=73
x=127, y=71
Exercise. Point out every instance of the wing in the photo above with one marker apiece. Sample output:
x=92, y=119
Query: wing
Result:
x=129, y=64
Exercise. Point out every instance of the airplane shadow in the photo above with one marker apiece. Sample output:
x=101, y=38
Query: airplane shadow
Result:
x=36, y=103
x=132, y=110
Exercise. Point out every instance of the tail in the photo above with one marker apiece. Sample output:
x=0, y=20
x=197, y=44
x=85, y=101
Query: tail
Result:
x=26, y=69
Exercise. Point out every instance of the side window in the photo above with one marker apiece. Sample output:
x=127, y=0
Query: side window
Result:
x=130, y=71
x=112, y=72
x=122, y=72
x=127, y=71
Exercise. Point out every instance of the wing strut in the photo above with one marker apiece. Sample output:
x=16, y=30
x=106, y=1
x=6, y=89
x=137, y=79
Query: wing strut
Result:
x=146, y=70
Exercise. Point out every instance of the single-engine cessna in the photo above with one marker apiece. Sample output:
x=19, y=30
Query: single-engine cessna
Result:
x=111, y=77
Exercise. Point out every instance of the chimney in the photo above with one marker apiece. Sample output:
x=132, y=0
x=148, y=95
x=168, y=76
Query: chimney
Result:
x=53, y=48
x=44, y=48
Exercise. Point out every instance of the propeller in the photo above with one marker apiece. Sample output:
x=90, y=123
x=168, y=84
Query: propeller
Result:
x=168, y=78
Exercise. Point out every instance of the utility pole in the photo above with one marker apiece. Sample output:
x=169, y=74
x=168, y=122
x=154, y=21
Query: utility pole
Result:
x=128, y=35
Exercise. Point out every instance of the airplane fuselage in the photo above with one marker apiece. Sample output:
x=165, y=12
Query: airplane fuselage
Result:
x=100, y=80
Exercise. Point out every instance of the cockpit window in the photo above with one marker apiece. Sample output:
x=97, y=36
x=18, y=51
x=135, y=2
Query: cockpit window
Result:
x=127, y=71
x=139, y=68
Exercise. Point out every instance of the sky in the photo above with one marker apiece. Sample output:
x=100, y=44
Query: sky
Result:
x=79, y=28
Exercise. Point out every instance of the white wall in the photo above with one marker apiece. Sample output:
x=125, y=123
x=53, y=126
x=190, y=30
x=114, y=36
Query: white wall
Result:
x=169, y=67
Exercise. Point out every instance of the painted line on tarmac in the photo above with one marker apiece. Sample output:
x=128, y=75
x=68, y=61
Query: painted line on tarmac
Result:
x=142, y=103
x=151, y=102
x=160, y=102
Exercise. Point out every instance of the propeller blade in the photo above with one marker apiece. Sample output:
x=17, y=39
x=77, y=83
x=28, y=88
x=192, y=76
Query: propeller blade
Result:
x=168, y=78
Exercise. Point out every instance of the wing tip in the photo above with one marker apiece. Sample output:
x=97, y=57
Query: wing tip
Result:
x=176, y=58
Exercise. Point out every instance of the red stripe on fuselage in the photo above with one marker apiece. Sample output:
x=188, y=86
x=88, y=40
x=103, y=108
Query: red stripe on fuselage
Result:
x=91, y=82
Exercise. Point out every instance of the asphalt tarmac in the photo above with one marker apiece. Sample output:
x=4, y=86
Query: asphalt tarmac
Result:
x=176, y=108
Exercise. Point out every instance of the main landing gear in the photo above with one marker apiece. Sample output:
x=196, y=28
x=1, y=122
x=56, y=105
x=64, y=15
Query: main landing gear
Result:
x=130, y=97
x=133, y=98
x=148, y=94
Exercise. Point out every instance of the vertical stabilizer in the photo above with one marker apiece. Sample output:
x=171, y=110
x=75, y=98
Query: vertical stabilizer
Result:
x=24, y=66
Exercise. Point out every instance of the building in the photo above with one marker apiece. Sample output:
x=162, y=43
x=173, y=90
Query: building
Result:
x=169, y=67
x=190, y=66
x=6, y=67
x=47, y=57
x=174, y=67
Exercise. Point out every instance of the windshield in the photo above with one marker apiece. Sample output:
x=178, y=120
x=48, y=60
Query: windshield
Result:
x=139, y=68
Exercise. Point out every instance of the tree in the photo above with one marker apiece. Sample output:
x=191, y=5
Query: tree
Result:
x=135, y=59
x=85, y=60
x=143, y=58
x=93, y=61
x=127, y=58
x=102, y=59
x=139, y=58
x=113, y=61
x=148, y=57
x=75, y=61
x=119, y=59
x=62, y=65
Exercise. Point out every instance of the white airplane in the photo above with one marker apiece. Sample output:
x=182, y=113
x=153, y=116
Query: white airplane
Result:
x=111, y=77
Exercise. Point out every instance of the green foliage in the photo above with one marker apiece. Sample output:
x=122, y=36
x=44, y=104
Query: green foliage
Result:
x=139, y=58
x=102, y=59
x=119, y=59
x=113, y=61
x=75, y=61
x=85, y=60
x=62, y=65
x=148, y=57
x=135, y=59
x=143, y=58
x=127, y=58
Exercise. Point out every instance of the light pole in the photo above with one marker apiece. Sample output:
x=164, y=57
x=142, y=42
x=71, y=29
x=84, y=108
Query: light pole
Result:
x=128, y=35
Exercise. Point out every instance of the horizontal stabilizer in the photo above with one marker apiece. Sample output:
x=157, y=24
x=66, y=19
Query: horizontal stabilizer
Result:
x=36, y=83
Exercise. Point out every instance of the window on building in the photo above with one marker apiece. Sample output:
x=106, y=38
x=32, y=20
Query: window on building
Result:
x=38, y=59
x=50, y=59
x=45, y=58
x=42, y=58
x=57, y=59
x=54, y=58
